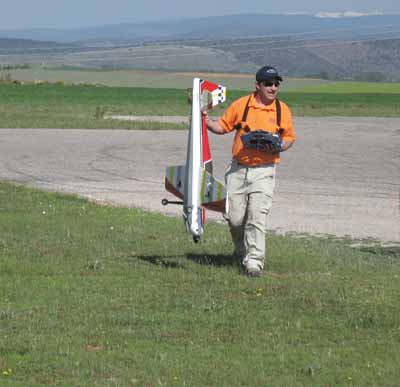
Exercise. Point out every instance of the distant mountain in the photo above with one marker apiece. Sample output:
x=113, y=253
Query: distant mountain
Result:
x=223, y=27
x=332, y=46
x=375, y=59
x=15, y=44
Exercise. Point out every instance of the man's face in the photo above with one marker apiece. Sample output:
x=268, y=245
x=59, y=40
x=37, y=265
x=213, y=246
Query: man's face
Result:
x=268, y=90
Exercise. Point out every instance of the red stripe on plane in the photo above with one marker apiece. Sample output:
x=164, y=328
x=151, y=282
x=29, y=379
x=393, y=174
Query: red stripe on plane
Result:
x=206, y=151
x=206, y=144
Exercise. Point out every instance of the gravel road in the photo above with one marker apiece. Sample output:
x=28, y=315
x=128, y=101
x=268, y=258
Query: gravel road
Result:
x=341, y=177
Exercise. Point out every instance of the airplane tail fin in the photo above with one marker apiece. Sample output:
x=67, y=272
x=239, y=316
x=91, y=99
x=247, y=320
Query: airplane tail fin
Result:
x=212, y=94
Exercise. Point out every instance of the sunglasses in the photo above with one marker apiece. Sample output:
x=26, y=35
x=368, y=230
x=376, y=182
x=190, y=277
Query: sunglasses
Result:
x=271, y=83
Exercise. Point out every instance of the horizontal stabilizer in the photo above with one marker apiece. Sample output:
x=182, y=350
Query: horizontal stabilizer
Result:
x=175, y=180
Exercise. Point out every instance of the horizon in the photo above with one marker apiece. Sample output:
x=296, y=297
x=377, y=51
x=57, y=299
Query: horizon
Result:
x=74, y=14
x=344, y=14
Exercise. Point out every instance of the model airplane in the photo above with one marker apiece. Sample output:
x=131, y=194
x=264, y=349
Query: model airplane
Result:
x=193, y=182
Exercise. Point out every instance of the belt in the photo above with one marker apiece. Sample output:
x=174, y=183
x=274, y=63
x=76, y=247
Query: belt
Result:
x=253, y=166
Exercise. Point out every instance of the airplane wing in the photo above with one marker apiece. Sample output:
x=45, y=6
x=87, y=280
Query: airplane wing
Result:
x=212, y=191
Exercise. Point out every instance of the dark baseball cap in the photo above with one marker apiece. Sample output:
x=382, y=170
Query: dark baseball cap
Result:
x=268, y=73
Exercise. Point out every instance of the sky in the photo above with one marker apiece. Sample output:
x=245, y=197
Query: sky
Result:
x=25, y=14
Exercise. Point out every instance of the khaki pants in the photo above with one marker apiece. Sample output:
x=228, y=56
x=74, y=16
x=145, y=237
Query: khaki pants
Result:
x=249, y=200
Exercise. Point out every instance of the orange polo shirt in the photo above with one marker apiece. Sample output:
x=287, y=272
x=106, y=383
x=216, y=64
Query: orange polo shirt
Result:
x=258, y=118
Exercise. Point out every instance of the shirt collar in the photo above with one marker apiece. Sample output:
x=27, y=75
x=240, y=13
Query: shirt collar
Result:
x=254, y=104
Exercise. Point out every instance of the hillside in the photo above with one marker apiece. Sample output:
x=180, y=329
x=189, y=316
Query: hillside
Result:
x=28, y=44
x=356, y=59
x=362, y=48
x=225, y=27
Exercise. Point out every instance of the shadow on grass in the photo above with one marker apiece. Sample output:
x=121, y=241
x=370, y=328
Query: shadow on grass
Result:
x=161, y=260
x=212, y=259
x=201, y=259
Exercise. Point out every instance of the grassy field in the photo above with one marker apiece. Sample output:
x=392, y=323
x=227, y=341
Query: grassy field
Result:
x=152, y=79
x=52, y=106
x=60, y=106
x=101, y=296
x=183, y=80
x=371, y=88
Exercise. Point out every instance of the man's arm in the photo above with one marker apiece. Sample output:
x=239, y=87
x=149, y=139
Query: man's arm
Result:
x=213, y=125
x=288, y=134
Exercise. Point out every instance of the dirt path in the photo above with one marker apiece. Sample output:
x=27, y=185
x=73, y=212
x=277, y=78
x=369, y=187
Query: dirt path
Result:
x=340, y=178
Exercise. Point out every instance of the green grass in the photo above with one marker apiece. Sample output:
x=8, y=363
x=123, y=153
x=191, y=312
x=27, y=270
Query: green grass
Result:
x=57, y=106
x=148, y=79
x=343, y=104
x=100, y=296
x=372, y=88
x=183, y=80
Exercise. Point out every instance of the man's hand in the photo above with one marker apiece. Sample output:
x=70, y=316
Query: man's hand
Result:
x=282, y=147
x=213, y=125
x=285, y=145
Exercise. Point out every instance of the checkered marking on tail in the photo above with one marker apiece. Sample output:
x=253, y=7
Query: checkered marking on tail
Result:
x=218, y=95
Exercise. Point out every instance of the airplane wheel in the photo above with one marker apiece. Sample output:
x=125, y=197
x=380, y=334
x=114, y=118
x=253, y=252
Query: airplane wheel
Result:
x=164, y=202
x=196, y=239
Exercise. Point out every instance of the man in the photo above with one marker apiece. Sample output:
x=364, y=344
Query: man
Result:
x=250, y=180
